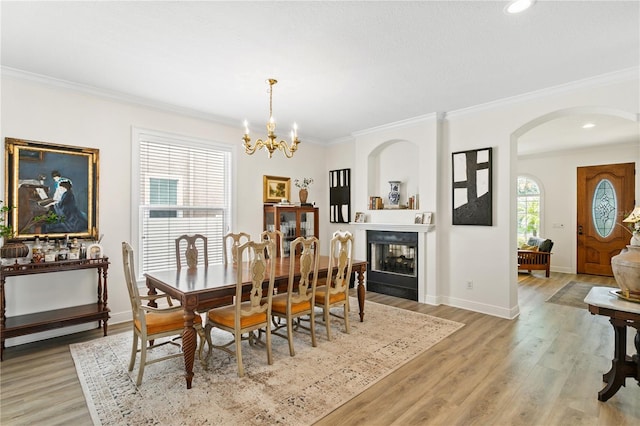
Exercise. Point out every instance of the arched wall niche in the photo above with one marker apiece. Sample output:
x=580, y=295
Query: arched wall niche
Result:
x=395, y=159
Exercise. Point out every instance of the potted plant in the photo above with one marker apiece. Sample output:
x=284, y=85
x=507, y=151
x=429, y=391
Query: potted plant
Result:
x=13, y=247
x=304, y=185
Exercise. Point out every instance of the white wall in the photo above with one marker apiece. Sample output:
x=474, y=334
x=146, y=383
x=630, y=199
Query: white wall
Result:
x=484, y=255
x=557, y=174
x=487, y=255
x=39, y=111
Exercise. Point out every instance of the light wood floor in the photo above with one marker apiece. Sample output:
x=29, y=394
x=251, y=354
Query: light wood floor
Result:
x=544, y=368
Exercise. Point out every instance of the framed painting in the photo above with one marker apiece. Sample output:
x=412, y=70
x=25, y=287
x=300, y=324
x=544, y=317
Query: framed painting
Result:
x=472, y=194
x=53, y=189
x=275, y=189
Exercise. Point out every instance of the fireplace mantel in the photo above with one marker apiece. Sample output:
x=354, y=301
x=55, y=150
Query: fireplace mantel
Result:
x=400, y=227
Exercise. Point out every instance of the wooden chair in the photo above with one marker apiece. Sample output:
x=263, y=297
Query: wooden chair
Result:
x=151, y=323
x=191, y=252
x=277, y=237
x=300, y=296
x=335, y=291
x=254, y=314
x=230, y=243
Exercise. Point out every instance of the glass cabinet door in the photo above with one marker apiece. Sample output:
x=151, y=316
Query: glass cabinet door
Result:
x=307, y=224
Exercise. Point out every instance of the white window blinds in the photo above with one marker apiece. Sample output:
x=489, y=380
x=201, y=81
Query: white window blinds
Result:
x=184, y=188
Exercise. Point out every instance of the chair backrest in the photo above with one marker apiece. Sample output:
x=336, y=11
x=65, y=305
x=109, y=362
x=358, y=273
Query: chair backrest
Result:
x=130, y=280
x=230, y=244
x=308, y=262
x=191, y=252
x=257, y=270
x=340, y=257
x=278, y=238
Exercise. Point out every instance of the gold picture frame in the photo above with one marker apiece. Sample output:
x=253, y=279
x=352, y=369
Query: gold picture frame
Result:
x=276, y=188
x=42, y=178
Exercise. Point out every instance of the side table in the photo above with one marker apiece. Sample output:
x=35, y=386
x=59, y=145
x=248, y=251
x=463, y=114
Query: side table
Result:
x=622, y=314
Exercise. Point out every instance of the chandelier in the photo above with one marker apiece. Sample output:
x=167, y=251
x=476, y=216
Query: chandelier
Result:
x=270, y=144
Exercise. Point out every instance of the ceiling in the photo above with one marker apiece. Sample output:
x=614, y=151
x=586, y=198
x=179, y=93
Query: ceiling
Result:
x=342, y=66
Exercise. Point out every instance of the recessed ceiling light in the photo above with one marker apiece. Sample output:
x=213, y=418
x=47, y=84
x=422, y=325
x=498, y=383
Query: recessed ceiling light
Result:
x=588, y=125
x=517, y=6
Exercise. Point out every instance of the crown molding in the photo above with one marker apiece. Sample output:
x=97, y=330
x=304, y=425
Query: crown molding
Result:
x=401, y=123
x=114, y=95
x=600, y=80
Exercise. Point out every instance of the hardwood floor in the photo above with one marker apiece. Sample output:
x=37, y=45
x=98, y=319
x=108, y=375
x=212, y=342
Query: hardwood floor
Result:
x=543, y=368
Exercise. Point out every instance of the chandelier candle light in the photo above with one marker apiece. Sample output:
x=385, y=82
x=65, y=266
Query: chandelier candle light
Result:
x=270, y=144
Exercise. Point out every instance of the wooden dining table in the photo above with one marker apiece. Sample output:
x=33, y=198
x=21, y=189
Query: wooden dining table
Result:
x=202, y=288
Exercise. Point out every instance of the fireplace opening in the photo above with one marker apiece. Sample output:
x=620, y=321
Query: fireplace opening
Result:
x=392, y=263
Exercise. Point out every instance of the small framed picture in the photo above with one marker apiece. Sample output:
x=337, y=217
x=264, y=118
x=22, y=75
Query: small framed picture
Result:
x=359, y=217
x=94, y=251
x=418, y=219
x=427, y=218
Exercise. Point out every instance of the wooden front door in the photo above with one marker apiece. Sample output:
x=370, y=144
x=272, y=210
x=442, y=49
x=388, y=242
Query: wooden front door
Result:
x=605, y=194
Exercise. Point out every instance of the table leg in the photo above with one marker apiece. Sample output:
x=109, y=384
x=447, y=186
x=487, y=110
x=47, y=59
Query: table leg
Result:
x=361, y=293
x=189, y=338
x=621, y=366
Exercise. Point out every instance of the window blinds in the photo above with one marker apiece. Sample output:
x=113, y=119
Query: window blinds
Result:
x=184, y=188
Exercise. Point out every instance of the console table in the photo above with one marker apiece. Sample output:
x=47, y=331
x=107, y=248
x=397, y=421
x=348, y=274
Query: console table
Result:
x=622, y=314
x=41, y=321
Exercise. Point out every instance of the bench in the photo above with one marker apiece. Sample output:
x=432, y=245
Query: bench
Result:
x=536, y=259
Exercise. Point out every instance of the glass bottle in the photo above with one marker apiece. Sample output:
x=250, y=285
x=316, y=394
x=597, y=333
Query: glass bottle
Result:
x=74, y=250
x=63, y=251
x=37, y=255
x=49, y=252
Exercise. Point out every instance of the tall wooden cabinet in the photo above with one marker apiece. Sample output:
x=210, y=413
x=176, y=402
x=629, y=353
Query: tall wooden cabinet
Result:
x=292, y=221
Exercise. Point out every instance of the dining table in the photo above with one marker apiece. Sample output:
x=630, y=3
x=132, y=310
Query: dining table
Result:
x=206, y=287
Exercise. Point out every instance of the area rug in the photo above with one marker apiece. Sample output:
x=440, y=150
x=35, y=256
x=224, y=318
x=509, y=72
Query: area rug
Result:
x=292, y=391
x=573, y=294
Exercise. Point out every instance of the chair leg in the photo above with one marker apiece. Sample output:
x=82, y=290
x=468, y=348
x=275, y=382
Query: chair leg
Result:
x=207, y=335
x=143, y=361
x=327, y=322
x=312, y=322
x=346, y=316
x=238, y=337
x=134, y=350
x=290, y=335
x=269, y=357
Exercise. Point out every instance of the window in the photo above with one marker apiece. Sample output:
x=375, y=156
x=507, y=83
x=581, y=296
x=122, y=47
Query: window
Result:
x=605, y=208
x=180, y=186
x=529, y=199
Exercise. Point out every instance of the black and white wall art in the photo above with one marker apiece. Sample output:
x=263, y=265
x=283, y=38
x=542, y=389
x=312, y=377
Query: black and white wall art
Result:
x=340, y=196
x=472, y=201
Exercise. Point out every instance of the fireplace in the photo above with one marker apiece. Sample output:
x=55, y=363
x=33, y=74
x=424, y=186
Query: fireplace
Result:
x=392, y=263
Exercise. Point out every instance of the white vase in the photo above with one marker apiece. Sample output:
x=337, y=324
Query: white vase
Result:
x=626, y=270
x=394, y=193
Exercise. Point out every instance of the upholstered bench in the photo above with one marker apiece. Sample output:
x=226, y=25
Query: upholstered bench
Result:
x=535, y=255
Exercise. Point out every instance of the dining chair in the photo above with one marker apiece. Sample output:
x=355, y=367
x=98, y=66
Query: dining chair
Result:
x=277, y=237
x=152, y=323
x=335, y=289
x=230, y=243
x=300, y=296
x=244, y=317
x=195, y=245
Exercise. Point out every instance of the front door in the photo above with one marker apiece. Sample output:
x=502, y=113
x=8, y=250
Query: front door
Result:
x=605, y=194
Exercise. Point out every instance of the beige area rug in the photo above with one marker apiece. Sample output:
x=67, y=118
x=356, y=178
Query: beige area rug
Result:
x=573, y=294
x=292, y=391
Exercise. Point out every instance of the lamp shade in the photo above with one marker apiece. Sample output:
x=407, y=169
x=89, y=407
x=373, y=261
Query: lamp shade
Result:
x=634, y=216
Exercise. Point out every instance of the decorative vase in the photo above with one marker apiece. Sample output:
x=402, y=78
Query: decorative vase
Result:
x=14, y=248
x=394, y=193
x=626, y=270
x=304, y=193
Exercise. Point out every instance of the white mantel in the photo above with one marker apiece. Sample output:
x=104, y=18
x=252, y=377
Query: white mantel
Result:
x=399, y=227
